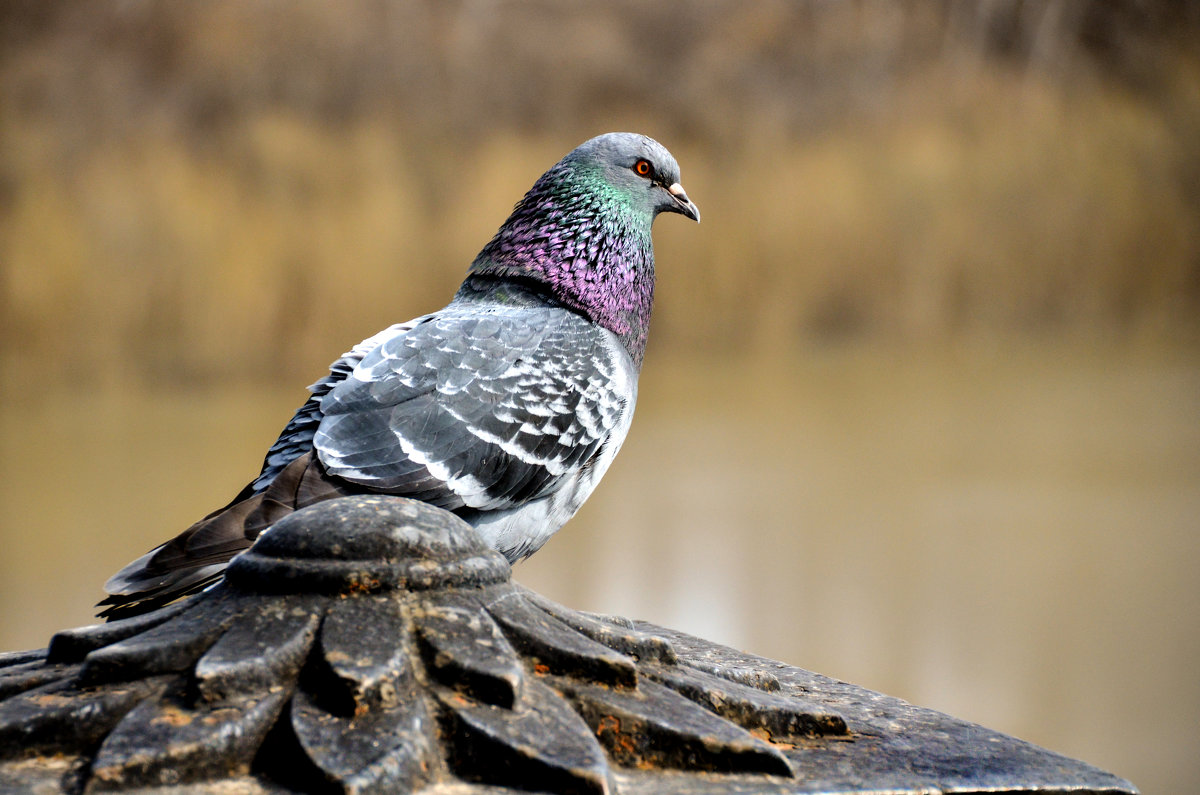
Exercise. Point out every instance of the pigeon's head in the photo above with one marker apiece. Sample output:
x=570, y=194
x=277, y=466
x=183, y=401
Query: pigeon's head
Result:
x=640, y=168
x=581, y=236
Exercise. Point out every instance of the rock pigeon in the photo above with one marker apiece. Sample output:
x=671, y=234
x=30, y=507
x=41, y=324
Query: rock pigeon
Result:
x=505, y=407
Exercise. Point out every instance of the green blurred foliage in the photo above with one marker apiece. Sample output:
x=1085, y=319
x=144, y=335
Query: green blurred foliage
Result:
x=225, y=190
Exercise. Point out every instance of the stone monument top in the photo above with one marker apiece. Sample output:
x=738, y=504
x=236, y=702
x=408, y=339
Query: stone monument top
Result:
x=375, y=644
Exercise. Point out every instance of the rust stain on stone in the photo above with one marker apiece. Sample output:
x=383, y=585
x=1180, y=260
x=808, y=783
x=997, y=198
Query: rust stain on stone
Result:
x=173, y=716
x=622, y=743
x=765, y=736
x=364, y=584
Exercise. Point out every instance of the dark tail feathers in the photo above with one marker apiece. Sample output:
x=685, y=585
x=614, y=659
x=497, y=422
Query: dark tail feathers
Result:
x=197, y=557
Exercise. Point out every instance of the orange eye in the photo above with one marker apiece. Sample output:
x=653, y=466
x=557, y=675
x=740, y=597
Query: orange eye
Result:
x=643, y=168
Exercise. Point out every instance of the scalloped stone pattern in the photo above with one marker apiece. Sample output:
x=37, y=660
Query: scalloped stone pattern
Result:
x=375, y=644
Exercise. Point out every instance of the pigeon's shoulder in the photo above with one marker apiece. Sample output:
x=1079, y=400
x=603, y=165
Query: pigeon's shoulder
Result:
x=478, y=407
x=296, y=438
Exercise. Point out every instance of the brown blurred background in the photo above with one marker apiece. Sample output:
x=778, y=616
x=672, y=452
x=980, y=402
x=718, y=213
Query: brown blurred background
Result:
x=921, y=408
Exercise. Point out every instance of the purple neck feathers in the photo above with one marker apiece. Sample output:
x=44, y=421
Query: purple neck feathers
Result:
x=584, y=243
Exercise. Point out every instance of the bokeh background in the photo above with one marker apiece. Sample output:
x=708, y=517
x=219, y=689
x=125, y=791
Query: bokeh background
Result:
x=921, y=408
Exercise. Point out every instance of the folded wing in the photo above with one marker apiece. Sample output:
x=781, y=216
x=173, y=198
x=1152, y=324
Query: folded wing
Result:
x=481, y=411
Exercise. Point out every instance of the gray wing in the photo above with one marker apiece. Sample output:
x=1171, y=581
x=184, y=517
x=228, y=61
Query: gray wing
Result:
x=296, y=438
x=478, y=410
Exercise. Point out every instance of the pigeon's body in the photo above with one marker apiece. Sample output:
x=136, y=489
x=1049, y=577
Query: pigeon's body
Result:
x=506, y=407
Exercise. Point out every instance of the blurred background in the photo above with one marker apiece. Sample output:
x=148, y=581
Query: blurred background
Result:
x=921, y=407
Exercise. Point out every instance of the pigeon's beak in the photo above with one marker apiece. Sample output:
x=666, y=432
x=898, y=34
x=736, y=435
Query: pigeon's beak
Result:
x=683, y=205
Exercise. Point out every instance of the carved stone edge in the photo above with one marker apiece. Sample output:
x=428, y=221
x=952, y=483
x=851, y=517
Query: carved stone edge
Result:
x=894, y=746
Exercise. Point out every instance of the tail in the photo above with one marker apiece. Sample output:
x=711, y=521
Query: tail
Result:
x=197, y=557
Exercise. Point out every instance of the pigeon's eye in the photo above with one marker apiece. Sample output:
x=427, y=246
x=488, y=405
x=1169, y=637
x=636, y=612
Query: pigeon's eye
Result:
x=643, y=168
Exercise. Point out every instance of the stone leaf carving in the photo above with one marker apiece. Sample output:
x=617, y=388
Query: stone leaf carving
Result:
x=374, y=644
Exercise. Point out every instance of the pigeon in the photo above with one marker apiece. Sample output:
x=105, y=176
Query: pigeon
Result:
x=506, y=407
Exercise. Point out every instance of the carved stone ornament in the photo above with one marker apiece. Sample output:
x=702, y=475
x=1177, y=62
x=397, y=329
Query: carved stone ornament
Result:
x=375, y=644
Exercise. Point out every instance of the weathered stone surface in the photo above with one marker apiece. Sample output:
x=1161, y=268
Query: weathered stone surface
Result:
x=72, y=645
x=363, y=662
x=641, y=646
x=556, y=648
x=465, y=650
x=168, y=647
x=390, y=748
x=262, y=651
x=373, y=644
x=19, y=677
x=653, y=726
x=63, y=718
x=781, y=718
x=380, y=544
x=177, y=740
x=540, y=744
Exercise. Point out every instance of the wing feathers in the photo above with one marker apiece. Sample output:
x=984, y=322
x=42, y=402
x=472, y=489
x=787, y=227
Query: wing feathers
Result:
x=494, y=408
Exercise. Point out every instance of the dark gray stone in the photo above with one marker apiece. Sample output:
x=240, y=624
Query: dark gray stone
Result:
x=463, y=649
x=375, y=644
